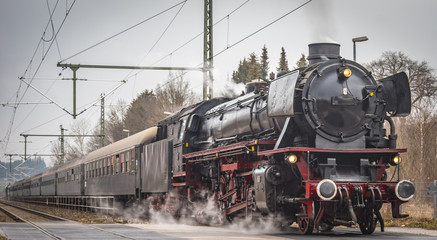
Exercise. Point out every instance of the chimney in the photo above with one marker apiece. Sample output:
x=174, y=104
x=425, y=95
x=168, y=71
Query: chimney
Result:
x=320, y=52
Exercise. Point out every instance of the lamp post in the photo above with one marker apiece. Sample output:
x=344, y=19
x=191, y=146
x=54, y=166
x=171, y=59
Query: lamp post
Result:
x=358, y=39
x=126, y=131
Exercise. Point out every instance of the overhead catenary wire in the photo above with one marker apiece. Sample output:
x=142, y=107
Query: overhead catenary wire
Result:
x=165, y=30
x=119, y=33
x=51, y=23
x=33, y=109
x=264, y=27
x=186, y=43
x=11, y=122
x=26, y=70
x=111, y=91
x=200, y=34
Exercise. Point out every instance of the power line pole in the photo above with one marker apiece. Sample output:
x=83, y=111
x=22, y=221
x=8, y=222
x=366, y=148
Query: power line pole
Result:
x=62, y=143
x=61, y=138
x=102, y=120
x=74, y=69
x=208, y=63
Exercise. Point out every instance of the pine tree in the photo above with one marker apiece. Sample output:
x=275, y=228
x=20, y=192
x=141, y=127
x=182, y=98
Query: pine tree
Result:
x=240, y=76
x=264, y=63
x=254, y=68
x=302, y=62
x=283, y=62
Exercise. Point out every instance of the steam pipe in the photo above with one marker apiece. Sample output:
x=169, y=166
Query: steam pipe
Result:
x=392, y=137
x=350, y=208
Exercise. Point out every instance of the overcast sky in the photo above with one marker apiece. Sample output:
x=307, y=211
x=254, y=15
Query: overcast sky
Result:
x=390, y=25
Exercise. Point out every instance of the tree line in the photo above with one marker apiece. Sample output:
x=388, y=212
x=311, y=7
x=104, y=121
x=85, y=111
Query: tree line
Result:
x=253, y=68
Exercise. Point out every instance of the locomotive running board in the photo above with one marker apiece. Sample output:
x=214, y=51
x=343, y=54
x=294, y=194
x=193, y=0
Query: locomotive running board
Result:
x=229, y=150
x=307, y=149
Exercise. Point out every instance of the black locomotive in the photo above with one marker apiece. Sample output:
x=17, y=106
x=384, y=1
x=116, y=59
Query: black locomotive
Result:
x=312, y=146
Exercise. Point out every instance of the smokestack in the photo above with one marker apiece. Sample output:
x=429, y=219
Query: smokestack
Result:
x=319, y=52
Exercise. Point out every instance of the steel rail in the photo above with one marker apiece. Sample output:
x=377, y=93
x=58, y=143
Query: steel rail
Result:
x=20, y=219
x=52, y=217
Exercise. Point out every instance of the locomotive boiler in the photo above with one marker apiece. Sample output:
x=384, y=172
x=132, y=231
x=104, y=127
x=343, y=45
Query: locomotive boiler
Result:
x=311, y=147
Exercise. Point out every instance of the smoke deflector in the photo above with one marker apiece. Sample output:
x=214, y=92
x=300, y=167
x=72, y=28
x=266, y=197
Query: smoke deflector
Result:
x=398, y=95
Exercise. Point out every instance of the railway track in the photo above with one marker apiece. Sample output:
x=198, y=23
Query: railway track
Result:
x=29, y=216
x=13, y=213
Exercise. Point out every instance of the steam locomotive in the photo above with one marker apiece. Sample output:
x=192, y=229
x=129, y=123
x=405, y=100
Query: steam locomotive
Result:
x=312, y=147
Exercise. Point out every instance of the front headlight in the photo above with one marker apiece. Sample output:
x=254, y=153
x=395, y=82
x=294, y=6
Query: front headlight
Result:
x=326, y=189
x=404, y=190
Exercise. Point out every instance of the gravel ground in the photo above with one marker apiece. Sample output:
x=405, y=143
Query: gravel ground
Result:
x=419, y=231
x=95, y=218
x=79, y=216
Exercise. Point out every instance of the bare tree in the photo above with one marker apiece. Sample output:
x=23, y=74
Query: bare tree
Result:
x=145, y=110
x=74, y=147
x=421, y=76
x=418, y=128
x=175, y=94
x=56, y=150
x=114, y=123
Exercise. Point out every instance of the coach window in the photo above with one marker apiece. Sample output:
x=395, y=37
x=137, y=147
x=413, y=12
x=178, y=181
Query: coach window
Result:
x=117, y=164
x=108, y=165
x=103, y=166
x=94, y=168
x=112, y=165
x=132, y=160
x=122, y=163
x=100, y=167
x=128, y=161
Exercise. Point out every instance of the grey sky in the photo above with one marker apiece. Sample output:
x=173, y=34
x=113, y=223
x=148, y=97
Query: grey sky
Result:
x=395, y=25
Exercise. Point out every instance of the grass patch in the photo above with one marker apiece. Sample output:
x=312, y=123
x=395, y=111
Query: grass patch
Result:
x=425, y=223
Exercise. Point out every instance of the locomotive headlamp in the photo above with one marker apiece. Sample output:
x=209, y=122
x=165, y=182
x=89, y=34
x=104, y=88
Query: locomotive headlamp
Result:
x=396, y=160
x=292, y=158
x=345, y=73
x=404, y=190
x=326, y=189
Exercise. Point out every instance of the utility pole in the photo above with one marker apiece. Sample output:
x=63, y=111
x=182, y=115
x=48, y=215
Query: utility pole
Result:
x=10, y=163
x=25, y=148
x=61, y=138
x=74, y=69
x=62, y=143
x=208, y=63
x=102, y=120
